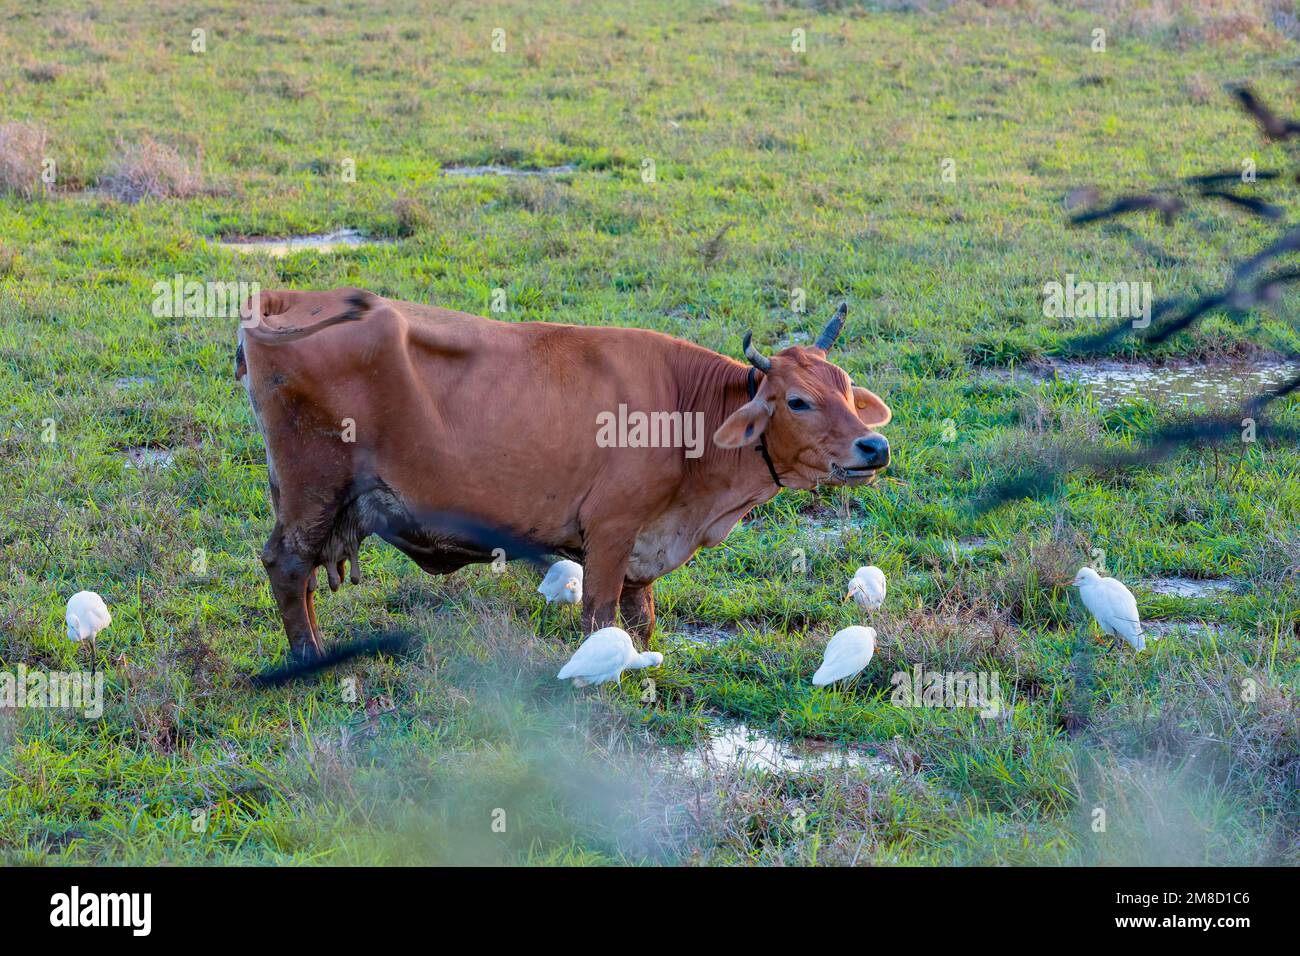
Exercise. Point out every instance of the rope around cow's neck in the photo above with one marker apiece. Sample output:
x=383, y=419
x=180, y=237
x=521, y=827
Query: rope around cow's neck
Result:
x=751, y=383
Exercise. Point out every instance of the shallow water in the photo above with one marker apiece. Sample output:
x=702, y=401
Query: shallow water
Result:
x=141, y=458
x=507, y=171
x=1190, y=587
x=739, y=747
x=325, y=242
x=792, y=339
x=131, y=381
x=828, y=528
x=706, y=634
x=1163, y=629
x=1216, y=385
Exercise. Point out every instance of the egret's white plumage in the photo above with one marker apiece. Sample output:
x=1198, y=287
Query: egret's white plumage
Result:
x=604, y=656
x=846, y=653
x=563, y=583
x=867, y=587
x=87, y=616
x=1113, y=605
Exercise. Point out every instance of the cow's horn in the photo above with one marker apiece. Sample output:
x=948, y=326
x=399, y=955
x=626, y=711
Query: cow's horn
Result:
x=832, y=330
x=756, y=358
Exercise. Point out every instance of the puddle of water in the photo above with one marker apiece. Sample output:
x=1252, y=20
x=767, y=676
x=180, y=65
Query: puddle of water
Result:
x=142, y=458
x=508, y=171
x=705, y=634
x=827, y=529
x=1162, y=629
x=131, y=381
x=1216, y=385
x=739, y=747
x=325, y=242
x=1190, y=587
x=971, y=544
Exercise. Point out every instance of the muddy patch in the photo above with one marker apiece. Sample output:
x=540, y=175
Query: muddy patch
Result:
x=1190, y=587
x=143, y=459
x=323, y=242
x=467, y=171
x=739, y=748
x=1213, y=385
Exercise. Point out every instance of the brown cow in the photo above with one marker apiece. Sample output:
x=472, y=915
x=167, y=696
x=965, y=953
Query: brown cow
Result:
x=375, y=412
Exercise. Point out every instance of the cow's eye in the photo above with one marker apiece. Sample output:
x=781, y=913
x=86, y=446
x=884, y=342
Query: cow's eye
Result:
x=797, y=404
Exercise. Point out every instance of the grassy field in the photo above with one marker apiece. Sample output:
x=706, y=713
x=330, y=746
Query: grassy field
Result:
x=772, y=170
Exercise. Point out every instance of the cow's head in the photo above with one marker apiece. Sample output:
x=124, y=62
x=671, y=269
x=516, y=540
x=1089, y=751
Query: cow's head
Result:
x=818, y=426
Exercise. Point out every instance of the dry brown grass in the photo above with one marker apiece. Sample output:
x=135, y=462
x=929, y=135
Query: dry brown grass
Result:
x=1214, y=732
x=1198, y=89
x=42, y=72
x=769, y=820
x=535, y=49
x=150, y=170
x=8, y=260
x=80, y=35
x=412, y=215
x=22, y=151
x=1264, y=23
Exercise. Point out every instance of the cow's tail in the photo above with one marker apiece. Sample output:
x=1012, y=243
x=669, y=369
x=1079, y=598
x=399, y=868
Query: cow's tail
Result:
x=358, y=305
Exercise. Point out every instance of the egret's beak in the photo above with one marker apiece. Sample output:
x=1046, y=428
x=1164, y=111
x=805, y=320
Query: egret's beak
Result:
x=571, y=586
x=852, y=591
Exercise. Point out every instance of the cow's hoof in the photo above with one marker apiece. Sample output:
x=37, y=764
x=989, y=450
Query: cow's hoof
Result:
x=308, y=653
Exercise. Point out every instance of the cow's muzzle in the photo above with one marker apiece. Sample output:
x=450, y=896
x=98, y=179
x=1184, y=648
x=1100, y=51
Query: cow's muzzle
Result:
x=873, y=451
x=872, y=456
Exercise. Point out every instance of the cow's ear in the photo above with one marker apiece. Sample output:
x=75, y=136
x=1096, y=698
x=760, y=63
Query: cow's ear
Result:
x=871, y=410
x=745, y=426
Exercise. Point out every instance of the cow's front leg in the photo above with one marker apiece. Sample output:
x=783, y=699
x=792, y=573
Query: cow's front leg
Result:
x=637, y=607
x=607, y=554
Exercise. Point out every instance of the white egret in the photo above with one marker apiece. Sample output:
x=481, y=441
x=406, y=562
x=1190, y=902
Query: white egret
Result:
x=604, y=656
x=87, y=615
x=848, y=652
x=867, y=587
x=563, y=583
x=1113, y=606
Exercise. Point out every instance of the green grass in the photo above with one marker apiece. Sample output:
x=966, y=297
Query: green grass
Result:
x=828, y=164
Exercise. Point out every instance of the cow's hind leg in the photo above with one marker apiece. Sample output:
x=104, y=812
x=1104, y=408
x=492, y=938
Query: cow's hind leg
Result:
x=311, y=608
x=636, y=605
x=290, y=572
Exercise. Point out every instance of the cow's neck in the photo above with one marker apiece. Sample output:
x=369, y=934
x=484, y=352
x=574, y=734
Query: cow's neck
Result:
x=718, y=386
